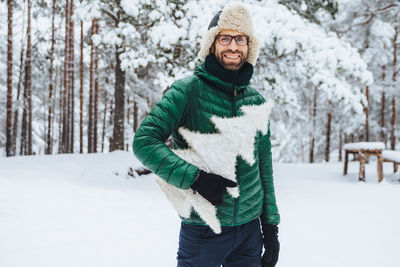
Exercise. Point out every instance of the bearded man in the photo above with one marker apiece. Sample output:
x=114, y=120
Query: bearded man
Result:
x=218, y=87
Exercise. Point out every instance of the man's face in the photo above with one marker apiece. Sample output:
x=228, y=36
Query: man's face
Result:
x=231, y=56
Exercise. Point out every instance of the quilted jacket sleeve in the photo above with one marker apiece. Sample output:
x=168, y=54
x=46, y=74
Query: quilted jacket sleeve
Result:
x=270, y=213
x=149, y=141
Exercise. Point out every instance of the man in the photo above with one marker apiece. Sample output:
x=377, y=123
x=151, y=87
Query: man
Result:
x=219, y=86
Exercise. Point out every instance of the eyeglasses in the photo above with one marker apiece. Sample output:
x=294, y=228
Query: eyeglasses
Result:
x=241, y=40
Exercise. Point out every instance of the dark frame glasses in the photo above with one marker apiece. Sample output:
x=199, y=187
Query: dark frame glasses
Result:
x=241, y=40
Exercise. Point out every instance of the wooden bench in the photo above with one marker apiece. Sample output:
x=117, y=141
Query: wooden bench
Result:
x=364, y=150
x=392, y=156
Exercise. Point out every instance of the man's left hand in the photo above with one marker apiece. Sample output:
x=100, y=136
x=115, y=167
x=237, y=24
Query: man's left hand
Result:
x=271, y=245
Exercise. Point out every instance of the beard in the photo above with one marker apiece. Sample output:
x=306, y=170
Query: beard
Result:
x=230, y=65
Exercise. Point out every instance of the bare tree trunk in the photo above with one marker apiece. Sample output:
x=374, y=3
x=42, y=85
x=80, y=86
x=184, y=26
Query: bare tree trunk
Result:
x=64, y=144
x=111, y=121
x=312, y=142
x=68, y=80
x=367, y=115
x=328, y=134
x=57, y=92
x=103, y=133
x=22, y=148
x=119, y=108
x=340, y=144
x=81, y=93
x=67, y=145
x=128, y=112
x=393, y=120
x=383, y=102
x=49, y=147
x=91, y=90
x=71, y=76
x=135, y=115
x=26, y=130
x=9, y=127
x=61, y=116
x=314, y=115
x=16, y=111
x=29, y=80
x=96, y=93
x=17, y=106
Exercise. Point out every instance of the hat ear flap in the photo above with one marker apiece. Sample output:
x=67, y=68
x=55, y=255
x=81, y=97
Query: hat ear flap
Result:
x=212, y=48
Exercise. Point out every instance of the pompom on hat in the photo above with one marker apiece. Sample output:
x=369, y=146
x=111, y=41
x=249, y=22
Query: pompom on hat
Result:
x=233, y=17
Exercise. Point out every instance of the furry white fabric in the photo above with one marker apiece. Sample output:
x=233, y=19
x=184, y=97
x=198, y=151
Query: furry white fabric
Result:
x=234, y=17
x=216, y=153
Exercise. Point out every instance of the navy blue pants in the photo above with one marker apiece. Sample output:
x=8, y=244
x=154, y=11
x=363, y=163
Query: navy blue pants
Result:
x=236, y=246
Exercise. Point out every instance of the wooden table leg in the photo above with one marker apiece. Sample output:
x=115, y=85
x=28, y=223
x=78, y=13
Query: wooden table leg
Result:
x=380, y=167
x=346, y=161
x=361, y=175
x=395, y=166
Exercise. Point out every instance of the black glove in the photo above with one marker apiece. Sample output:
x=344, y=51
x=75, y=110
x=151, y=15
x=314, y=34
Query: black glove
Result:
x=271, y=245
x=211, y=186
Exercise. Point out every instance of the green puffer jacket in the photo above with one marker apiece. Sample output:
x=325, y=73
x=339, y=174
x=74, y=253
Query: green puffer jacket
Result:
x=190, y=102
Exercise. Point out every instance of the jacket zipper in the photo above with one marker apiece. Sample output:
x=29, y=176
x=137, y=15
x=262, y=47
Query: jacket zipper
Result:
x=233, y=103
x=235, y=211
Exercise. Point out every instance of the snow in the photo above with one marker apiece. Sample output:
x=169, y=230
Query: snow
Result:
x=84, y=210
x=130, y=7
x=166, y=35
x=391, y=155
x=364, y=145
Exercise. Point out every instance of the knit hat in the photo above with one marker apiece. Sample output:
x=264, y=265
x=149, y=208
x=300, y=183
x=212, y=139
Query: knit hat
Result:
x=233, y=17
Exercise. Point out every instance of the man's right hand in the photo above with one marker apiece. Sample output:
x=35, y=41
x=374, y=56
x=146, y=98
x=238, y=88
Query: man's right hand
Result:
x=212, y=186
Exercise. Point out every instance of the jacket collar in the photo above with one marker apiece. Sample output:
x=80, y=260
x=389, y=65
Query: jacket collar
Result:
x=227, y=87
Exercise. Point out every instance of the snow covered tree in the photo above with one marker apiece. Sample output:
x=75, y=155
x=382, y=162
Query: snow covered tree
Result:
x=310, y=9
x=371, y=28
x=315, y=62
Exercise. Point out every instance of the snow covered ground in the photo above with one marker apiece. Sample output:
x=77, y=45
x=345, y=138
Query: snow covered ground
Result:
x=84, y=210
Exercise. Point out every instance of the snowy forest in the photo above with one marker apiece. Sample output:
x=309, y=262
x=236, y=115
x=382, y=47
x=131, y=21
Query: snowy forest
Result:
x=79, y=76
